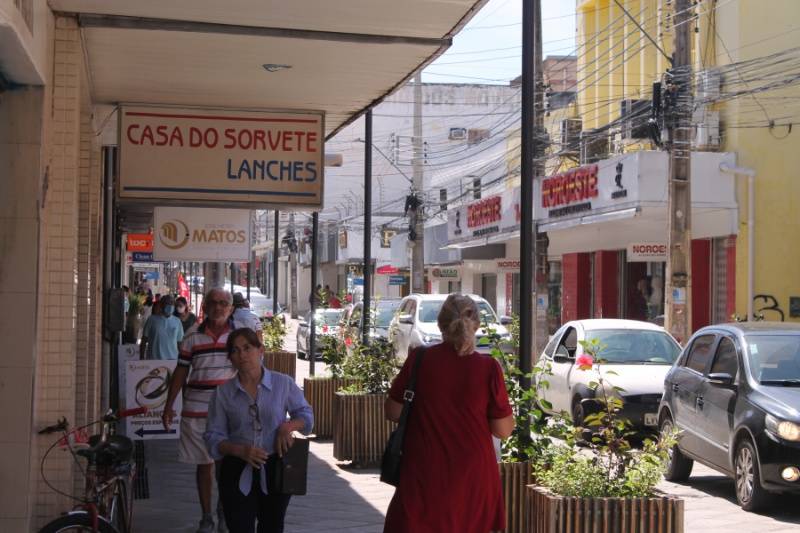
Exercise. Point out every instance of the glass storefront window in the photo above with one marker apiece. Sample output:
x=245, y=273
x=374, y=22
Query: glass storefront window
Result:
x=554, y=297
x=644, y=288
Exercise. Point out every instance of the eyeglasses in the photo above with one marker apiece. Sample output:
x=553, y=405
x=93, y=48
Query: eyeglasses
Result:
x=256, y=420
x=221, y=303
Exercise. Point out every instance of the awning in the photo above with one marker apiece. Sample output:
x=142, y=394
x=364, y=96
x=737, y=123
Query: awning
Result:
x=338, y=57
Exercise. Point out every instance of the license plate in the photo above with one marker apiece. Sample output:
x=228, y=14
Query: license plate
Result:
x=651, y=419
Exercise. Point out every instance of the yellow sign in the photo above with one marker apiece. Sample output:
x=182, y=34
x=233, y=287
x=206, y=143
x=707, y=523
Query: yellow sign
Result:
x=205, y=156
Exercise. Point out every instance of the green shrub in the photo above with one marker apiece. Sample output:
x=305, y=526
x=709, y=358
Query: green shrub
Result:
x=374, y=365
x=274, y=331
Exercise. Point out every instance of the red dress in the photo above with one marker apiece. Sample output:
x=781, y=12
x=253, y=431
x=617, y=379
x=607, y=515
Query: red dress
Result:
x=449, y=481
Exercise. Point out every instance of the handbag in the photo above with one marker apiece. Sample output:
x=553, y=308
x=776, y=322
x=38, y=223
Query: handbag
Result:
x=287, y=474
x=393, y=453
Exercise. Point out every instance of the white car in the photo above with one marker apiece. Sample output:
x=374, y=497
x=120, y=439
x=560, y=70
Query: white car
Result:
x=414, y=324
x=636, y=357
x=326, y=322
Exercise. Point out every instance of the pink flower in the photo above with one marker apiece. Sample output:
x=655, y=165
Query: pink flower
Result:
x=348, y=341
x=584, y=361
x=325, y=328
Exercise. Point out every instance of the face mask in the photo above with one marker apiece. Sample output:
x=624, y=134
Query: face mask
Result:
x=169, y=309
x=181, y=308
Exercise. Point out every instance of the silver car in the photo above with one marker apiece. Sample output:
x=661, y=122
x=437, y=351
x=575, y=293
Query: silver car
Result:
x=326, y=323
x=414, y=324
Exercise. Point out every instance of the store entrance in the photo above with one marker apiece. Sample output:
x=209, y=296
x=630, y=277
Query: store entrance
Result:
x=644, y=291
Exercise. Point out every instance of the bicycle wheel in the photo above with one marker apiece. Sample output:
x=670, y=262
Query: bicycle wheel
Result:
x=76, y=522
x=120, y=510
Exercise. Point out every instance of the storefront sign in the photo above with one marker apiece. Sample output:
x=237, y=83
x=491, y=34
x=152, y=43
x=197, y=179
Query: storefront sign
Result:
x=483, y=218
x=142, y=257
x=647, y=252
x=451, y=273
x=387, y=269
x=146, y=385
x=194, y=234
x=398, y=280
x=571, y=191
x=140, y=242
x=508, y=264
x=216, y=156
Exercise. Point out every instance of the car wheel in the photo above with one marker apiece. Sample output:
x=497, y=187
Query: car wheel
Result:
x=749, y=492
x=679, y=467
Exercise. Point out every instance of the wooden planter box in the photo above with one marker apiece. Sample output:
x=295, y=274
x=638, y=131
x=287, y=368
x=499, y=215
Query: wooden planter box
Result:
x=360, y=430
x=549, y=513
x=282, y=361
x=319, y=393
x=514, y=478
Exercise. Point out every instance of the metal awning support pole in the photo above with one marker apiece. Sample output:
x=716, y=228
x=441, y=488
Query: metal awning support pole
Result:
x=312, y=327
x=252, y=258
x=530, y=14
x=275, y=252
x=366, y=321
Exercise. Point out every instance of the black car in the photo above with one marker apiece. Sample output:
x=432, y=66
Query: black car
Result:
x=734, y=395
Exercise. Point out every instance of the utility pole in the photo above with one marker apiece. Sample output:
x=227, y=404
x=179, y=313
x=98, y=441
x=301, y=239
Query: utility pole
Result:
x=293, y=268
x=366, y=314
x=417, y=221
x=541, y=242
x=678, y=109
x=276, y=250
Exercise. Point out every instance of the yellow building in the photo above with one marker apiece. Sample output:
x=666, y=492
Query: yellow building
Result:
x=734, y=46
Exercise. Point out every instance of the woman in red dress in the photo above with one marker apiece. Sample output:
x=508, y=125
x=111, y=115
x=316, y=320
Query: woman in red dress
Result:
x=449, y=480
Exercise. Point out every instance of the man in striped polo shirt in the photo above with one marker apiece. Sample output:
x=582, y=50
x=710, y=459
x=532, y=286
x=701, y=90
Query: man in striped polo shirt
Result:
x=203, y=365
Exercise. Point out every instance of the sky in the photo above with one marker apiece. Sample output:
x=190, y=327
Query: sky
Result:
x=489, y=50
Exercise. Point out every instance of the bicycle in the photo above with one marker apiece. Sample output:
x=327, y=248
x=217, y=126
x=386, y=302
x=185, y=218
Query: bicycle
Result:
x=105, y=506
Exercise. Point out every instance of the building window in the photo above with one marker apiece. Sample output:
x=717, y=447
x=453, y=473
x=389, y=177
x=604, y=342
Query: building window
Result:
x=443, y=199
x=476, y=188
x=476, y=135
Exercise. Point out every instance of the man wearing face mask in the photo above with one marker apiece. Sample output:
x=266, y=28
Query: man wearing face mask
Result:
x=187, y=318
x=162, y=333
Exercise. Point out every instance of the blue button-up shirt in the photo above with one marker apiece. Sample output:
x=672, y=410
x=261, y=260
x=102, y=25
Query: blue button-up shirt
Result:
x=231, y=418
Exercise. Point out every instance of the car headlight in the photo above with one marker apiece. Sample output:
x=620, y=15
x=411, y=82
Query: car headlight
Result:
x=431, y=338
x=782, y=428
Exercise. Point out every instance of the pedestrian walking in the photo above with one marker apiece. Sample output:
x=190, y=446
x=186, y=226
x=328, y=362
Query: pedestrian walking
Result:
x=247, y=423
x=203, y=365
x=449, y=480
x=314, y=299
x=184, y=314
x=162, y=333
x=243, y=315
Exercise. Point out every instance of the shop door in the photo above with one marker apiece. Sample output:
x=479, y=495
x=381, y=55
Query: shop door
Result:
x=636, y=289
x=489, y=289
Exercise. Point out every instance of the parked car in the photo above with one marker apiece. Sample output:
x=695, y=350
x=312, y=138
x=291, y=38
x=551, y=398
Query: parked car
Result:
x=636, y=357
x=262, y=306
x=734, y=395
x=414, y=323
x=326, y=323
x=383, y=312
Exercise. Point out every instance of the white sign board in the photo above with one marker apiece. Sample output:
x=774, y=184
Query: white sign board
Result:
x=146, y=385
x=197, y=234
x=445, y=273
x=213, y=156
x=647, y=252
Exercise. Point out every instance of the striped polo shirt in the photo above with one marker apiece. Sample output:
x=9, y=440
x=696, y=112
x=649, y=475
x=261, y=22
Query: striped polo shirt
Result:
x=207, y=358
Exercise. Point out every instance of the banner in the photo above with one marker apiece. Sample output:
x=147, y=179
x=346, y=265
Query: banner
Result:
x=146, y=385
x=183, y=288
x=214, y=156
x=196, y=234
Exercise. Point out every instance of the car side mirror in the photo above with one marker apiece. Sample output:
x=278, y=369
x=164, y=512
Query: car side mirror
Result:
x=303, y=324
x=506, y=320
x=559, y=358
x=406, y=319
x=722, y=379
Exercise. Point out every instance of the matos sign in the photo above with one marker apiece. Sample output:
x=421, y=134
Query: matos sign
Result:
x=215, y=156
x=195, y=234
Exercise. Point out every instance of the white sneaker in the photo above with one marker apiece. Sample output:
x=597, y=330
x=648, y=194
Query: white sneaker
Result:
x=206, y=525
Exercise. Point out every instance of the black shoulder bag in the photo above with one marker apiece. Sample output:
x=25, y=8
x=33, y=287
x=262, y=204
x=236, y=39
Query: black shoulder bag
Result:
x=393, y=454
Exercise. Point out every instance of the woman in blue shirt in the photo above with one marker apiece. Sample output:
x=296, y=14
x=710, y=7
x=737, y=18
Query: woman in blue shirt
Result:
x=247, y=422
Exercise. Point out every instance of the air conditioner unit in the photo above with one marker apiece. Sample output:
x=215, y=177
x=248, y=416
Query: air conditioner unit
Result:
x=706, y=129
x=594, y=146
x=571, y=136
x=457, y=134
x=633, y=116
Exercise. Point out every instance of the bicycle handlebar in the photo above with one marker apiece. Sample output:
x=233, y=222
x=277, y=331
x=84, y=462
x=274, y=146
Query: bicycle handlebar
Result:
x=58, y=427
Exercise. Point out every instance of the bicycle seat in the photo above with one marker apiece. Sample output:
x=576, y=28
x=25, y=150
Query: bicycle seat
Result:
x=118, y=449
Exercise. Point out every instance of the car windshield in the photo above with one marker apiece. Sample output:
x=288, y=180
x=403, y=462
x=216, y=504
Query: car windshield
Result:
x=429, y=311
x=774, y=359
x=635, y=346
x=329, y=317
x=385, y=314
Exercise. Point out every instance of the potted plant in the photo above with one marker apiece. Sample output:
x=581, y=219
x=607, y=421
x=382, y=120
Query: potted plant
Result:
x=133, y=321
x=606, y=485
x=275, y=357
x=319, y=390
x=360, y=429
